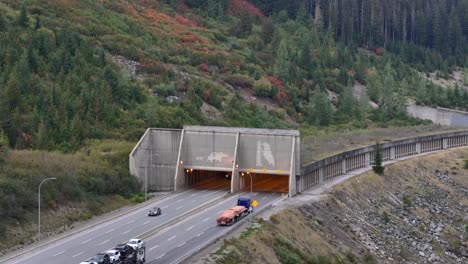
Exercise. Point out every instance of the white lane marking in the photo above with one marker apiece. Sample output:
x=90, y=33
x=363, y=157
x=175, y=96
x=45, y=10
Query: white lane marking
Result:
x=171, y=238
x=206, y=195
x=194, y=194
x=179, y=207
x=77, y=254
x=84, y=242
x=189, y=228
x=161, y=256
x=206, y=219
x=146, y=222
x=128, y=231
x=180, y=200
x=200, y=234
x=154, y=247
x=164, y=207
x=181, y=244
x=131, y=222
x=58, y=253
x=104, y=242
x=110, y=231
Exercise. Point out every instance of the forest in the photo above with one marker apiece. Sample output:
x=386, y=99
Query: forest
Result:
x=264, y=64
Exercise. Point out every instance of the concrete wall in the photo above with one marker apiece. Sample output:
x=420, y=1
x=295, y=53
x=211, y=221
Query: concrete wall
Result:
x=162, y=155
x=439, y=115
x=154, y=158
x=322, y=170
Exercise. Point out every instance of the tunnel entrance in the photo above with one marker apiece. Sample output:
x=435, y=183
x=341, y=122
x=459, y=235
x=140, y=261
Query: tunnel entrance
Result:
x=264, y=182
x=205, y=179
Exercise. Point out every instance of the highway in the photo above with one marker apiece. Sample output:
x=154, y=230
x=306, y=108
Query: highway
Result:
x=86, y=244
x=177, y=242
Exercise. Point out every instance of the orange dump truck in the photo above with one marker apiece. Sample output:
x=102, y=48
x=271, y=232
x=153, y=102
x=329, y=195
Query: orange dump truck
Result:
x=234, y=214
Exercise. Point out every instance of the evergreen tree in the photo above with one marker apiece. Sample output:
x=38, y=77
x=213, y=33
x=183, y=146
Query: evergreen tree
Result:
x=378, y=167
x=23, y=19
x=322, y=109
x=3, y=23
x=267, y=30
x=282, y=63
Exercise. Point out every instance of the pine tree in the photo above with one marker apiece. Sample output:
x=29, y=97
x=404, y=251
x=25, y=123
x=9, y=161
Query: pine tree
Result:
x=23, y=19
x=377, y=167
x=3, y=23
x=282, y=64
x=322, y=109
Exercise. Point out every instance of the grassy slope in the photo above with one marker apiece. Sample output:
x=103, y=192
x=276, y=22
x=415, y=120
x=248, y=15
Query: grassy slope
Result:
x=87, y=184
x=364, y=213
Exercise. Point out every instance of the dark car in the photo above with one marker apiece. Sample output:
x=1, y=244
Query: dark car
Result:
x=155, y=211
x=125, y=250
x=101, y=258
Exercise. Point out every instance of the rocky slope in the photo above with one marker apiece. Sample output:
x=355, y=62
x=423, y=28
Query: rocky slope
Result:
x=416, y=213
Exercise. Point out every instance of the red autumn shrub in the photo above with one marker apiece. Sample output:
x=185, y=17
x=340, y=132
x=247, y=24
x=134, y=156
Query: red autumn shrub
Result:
x=379, y=51
x=204, y=67
x=235, y=6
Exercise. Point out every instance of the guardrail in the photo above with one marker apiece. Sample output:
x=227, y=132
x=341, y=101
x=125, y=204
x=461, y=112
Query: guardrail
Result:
x=348, y=161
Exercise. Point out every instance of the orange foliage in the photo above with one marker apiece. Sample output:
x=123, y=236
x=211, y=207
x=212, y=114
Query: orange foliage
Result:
x=129, y=9
x=184, y=21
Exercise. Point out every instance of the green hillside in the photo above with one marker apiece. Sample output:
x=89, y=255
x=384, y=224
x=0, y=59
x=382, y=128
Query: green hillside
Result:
x=73, y=72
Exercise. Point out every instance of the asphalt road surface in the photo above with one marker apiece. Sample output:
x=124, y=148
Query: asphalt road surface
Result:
x=86, y=244
x=175, y=243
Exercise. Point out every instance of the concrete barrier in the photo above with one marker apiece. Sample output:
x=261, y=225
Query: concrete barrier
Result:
x=348, y=161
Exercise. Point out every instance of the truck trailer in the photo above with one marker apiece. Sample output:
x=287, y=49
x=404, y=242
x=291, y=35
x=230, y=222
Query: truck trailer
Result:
x=235, y=213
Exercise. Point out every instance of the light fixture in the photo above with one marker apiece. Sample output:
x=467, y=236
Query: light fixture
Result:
x=187, y=170
x=242, y=174
x=191, y=170
x=181, y=162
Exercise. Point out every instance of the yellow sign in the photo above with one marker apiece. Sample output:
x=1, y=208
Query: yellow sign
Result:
x=250, y=169
x=264, y=170
x=254, y=203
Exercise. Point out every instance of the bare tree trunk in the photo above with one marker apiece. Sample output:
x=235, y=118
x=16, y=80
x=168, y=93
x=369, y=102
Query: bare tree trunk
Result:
x=404, y=26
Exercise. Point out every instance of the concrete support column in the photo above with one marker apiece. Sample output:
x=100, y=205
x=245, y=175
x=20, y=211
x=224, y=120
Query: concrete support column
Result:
x=445, y=143
x=343, y=166
x=392, y=153
x=320, y=174
x=292, y=170
x=418, y=147
x=179, y=177
x=235, y=168
x=367, y=157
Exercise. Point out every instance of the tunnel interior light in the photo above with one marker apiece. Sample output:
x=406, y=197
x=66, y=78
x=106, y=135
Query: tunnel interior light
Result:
x=187, y=170
x=237, y=165
x=242, y=174
x=191, y=170
x=181, y=162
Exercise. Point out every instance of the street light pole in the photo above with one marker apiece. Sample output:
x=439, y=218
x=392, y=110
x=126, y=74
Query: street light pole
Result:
x=251, y=185
x=39, y=205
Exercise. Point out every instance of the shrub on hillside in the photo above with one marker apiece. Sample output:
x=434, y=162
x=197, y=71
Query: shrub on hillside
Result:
x=263, y=88
x=239, y=80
